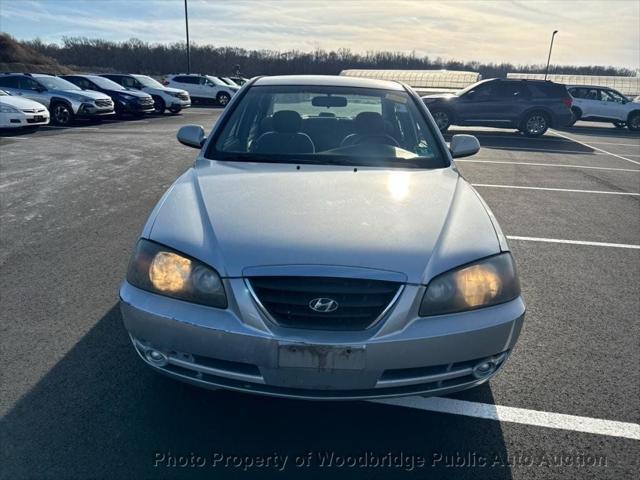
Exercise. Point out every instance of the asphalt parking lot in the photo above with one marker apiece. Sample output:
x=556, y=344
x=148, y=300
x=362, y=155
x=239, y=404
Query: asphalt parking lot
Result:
x=76, y=402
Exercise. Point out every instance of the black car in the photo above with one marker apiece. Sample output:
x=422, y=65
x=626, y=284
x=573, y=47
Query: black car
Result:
x=125, y=101
x=531, y=106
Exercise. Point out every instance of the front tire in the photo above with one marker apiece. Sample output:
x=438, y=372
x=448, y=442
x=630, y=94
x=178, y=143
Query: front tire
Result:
x=62, y=114
x=223, y=99
x=633, y=122
x=535, y=124
x=442, y=119
x=158, y=105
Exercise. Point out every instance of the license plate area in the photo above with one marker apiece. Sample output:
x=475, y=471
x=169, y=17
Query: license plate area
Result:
x=321, y=357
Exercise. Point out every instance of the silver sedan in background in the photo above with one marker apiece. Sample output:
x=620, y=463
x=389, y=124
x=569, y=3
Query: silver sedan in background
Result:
x=324, y=246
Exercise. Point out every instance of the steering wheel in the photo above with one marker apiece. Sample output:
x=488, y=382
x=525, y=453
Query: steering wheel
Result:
x=377, y=138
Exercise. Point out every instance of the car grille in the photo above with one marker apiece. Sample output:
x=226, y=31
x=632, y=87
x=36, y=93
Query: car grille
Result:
x=182, y=96
x=104, y=102
x=360, y=302
x=146, y=101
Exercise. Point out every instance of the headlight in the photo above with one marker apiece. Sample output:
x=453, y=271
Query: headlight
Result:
x=488, y=282
x=8, y=109
x=162, y=270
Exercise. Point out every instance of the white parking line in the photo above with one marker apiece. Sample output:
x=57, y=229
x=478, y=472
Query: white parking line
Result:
x=572, y=190
x=522, y=416
x=550, y=165
x=574, y=242
x=594, y=148
x=619, y=144
x=547, y=150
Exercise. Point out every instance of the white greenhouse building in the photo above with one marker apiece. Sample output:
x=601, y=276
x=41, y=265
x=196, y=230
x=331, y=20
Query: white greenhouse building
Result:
x=423, y=81
x=629, y=86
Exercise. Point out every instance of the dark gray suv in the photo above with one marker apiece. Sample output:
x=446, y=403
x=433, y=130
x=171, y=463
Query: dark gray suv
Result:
x=531, y=106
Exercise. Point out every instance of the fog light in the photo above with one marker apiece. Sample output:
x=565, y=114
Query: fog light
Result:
x=156, y=357
x=484, y=369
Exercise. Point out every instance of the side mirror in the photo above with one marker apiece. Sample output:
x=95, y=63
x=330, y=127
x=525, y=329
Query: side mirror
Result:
x=193, y=136
x=464, y=146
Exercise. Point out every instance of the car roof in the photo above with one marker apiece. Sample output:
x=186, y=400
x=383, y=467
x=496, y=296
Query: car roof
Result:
x=590, y=86
x=327, y=81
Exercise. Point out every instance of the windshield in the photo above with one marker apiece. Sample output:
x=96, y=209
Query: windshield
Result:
x=148, y=81
x=55, y=83
x=228, y=81
x=469, y=88
x=216, y=80
x=328, y=125
x=105, y=83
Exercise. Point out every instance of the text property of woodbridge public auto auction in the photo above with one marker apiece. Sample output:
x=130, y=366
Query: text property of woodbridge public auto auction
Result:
x=370, y=460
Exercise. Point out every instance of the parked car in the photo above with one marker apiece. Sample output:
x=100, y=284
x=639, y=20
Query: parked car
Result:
x=603, y=104
x=203, y=87
x=323, y=246
x=18, y=112
x=65, y=101
x=530, y=106
x=173, y=99
x=125, y=101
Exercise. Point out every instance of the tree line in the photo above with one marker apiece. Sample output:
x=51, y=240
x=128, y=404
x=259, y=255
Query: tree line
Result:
x=136, y=56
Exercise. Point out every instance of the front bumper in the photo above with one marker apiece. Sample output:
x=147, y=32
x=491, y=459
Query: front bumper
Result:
x=179, y=103
x=136, y=107
x=238, y=349
x=89, y=110
x=25, y=119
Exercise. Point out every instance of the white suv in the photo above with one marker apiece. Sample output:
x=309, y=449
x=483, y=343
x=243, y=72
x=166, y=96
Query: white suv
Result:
x=203, y=87
x=601, y=104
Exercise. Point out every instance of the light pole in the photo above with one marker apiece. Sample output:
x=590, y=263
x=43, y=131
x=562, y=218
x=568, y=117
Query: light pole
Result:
x=546, y=72
x=186, y=23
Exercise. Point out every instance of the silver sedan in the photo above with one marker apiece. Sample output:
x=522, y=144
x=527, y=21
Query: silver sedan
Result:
x=323, y=246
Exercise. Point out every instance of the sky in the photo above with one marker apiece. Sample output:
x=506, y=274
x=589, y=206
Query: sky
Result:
x=591, y=32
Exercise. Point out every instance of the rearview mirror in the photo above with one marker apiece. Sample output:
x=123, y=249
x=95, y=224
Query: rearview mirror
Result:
x=329, y=101
x=464, y=146
x=192, y=136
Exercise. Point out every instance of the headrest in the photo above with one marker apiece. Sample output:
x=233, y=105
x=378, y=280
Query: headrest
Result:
x=368, y=123
x=266, y=124
x=287, y=121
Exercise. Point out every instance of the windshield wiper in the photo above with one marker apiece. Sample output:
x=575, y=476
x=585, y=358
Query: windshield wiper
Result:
x=260, y=159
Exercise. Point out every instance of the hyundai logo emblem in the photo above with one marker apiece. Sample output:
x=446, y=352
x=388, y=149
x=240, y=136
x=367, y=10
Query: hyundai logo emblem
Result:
x=323, y=305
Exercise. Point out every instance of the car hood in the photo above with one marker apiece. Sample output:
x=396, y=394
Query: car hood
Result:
x=20, y=103
x=78, y=94
x=132, y=93
x=235, y=215
x=163, y=90
x=439, y=97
